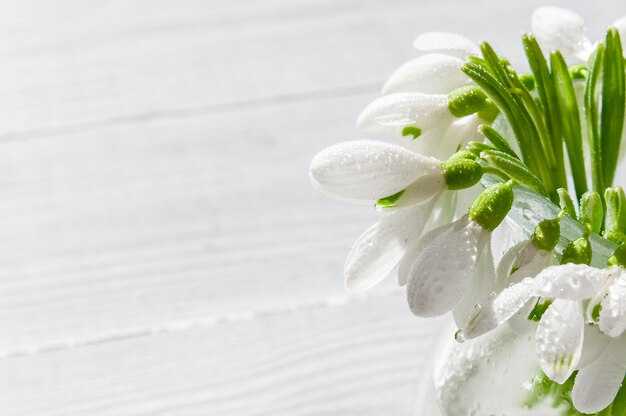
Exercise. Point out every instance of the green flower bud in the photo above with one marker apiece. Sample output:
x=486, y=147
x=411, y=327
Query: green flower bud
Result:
x=466, y=100
x=461, y=172
x=489, y=113
x=578, y=252
x=492, y=205
x=547, y=234
x=619, y=256
x=615, y=226
x=591, y=211
x=566, y=203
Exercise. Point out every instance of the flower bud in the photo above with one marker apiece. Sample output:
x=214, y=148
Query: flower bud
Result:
x=547, y=234
x=591, y=211
x=615, y=214
x=467, y=100
x=492, y=205
x=461, y=171
x=577, y=252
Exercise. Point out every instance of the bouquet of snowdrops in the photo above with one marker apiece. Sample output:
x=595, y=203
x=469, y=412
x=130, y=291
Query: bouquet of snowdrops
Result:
x=482, y=149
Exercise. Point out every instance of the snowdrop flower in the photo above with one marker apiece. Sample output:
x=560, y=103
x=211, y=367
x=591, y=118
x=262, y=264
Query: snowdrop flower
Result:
x=564, y=30
x=448, y=43
x=521, y=262
x=560, y=330
x=445, y=265
x=437, y=124
x=395, y=177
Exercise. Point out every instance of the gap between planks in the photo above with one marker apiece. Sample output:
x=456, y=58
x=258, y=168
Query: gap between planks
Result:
x=193, y=324
x=190, y=112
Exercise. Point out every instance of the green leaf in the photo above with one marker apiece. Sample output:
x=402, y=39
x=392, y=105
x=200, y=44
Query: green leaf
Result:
x=514, y=169
x=613, y=96
x=570, y=120
x=497, y=140
x=591, y=116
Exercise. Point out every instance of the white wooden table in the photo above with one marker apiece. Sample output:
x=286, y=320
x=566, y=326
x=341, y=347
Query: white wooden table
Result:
x=161, y=249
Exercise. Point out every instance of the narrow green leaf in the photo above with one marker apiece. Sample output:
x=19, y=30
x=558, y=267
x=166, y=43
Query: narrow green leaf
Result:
x=612, y=112
x=570, y=120
x=591, y=117
x=497, y=140
x=514, y=169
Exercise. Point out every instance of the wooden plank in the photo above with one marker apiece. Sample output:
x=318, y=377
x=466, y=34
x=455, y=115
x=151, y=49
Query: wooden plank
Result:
x=78, y=64
x=354, y=359
x=148, y=222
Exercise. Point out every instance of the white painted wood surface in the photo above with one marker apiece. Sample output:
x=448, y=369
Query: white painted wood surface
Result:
x=162, y=252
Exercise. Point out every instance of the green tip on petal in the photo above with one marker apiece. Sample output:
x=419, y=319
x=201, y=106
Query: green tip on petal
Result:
x=467, y=100
x=547, y=234
x=389, y=201
x=577, y=252
x=412, y=131
x=538, y=311
x=492, y=205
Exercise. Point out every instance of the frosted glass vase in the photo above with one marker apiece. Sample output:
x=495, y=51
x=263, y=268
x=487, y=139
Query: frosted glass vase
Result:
x=487, y=376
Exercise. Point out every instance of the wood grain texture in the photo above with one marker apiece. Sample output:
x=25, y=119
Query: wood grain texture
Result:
x=353, y=359
x=162, y=249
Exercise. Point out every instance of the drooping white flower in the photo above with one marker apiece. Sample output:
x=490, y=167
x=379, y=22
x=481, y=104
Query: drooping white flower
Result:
x=561, y=328
x=432, y=73
x=397, y=178
x=440, y=275
x=442, y=271
x=379, y=249
x=562, y=29
x=371, y=170
x=446, y=42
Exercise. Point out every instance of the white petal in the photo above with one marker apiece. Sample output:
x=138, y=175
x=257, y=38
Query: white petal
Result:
x=390, y=113
x=508, y=261
x=461, y=132
x=428, y=143
x=432, y=73
x=412, y=253
x=503, y=307
x=508, y=234
x=366, y=169
x=594, y=344
x=560, y=339
x=562, y=29
x=570, y=281
x=423, y=189
x=530, y=267
x=480, y=290
x=597, y=384
x=613, y=312
x=379, y=249
x=446, y=42
x=441, y=273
